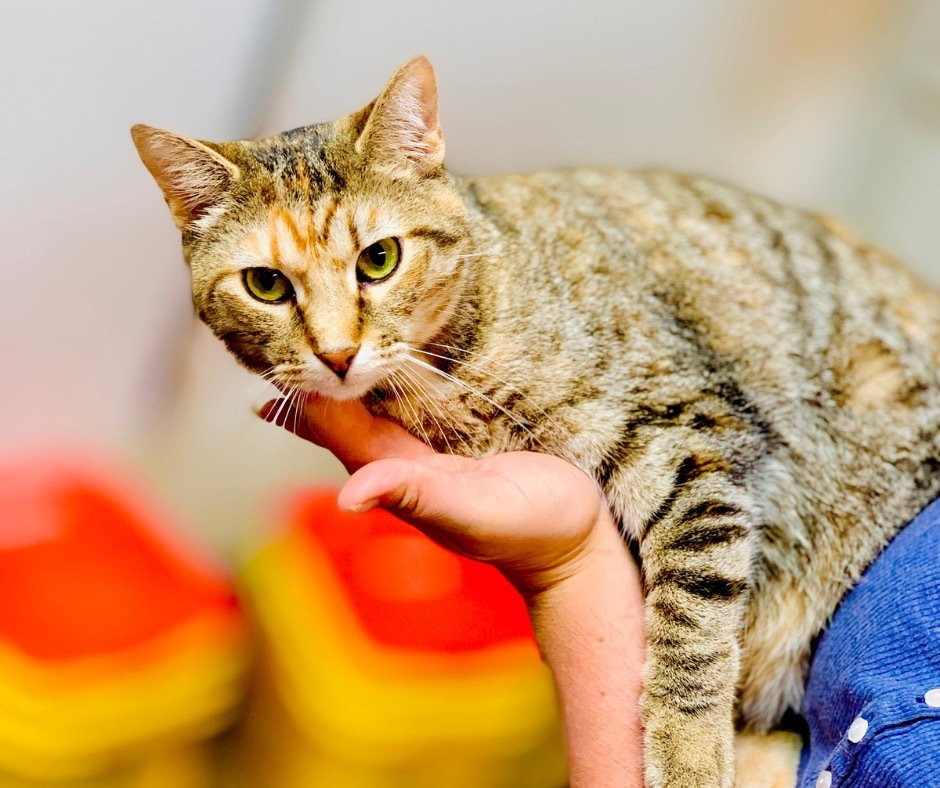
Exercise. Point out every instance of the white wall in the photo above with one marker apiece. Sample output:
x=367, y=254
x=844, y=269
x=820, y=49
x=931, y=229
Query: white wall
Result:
x=834, y=105
x=796, y=98
x=94, y=283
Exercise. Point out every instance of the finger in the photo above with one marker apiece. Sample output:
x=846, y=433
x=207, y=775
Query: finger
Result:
x=347, y=429
x=535, y=492
x=395, y=484
x=402, y=487
x=433, y=493
x=289, y=413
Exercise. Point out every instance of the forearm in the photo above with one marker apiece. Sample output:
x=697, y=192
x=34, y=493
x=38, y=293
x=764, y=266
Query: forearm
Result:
x=590, y=630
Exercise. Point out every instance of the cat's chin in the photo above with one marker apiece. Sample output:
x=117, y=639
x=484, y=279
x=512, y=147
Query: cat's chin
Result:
x=345, y=394
x=343, y=391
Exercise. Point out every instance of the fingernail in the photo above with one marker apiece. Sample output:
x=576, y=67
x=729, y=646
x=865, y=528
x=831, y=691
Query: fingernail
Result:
x=363, y=506
x=265, y=410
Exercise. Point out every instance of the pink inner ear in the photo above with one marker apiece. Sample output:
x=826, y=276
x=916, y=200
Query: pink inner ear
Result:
x=195, y=182
x=425, y=87
x=192, y=176
x=404, y=126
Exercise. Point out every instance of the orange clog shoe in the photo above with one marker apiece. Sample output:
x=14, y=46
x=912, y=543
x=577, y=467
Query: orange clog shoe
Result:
x=117, y=639
x=389, y=661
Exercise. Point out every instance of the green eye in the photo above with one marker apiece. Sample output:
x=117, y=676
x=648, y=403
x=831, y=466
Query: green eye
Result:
x=268, y=285
x=377, y=261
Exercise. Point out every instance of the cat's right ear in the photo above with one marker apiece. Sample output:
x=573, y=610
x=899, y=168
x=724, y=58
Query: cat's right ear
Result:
x=193, y=176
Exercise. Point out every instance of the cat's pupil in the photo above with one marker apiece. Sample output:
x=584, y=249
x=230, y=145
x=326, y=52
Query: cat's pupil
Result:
x=268, y=279
x=377, y=255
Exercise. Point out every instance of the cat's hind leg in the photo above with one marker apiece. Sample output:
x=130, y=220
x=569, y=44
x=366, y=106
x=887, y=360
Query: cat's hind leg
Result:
x=767, y=760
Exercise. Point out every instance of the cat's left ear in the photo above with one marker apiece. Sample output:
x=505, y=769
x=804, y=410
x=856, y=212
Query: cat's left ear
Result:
x=403, y=131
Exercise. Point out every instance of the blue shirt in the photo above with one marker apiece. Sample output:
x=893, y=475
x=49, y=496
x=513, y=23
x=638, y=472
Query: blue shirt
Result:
x=873, y=696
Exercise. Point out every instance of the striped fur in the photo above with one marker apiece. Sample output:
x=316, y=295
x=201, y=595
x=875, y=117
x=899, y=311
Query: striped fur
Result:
x=755, y=390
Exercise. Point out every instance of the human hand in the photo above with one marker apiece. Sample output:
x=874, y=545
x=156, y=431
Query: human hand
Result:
x=544, y=524
x=531, y=515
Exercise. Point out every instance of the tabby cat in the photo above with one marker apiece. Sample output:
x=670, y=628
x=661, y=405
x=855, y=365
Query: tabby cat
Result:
x=754, y=389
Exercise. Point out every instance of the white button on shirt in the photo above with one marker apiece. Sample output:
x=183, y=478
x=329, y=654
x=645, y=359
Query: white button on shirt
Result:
x=932, y=698
x=824, y=780
x=857, y=730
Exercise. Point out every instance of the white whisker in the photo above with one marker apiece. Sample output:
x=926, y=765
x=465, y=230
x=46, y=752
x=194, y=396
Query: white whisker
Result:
x=511, y=416
x=542, y=412
x=265, y=382
x=284, y=404
x=467, y=351
x=416, y=388
x=298, y=408
x=484, y=253
x=402, y=397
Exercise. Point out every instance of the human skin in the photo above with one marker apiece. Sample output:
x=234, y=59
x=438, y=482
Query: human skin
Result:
x=545, y=526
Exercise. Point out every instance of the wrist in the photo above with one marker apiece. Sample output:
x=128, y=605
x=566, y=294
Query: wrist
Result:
x=602, y=560
x=600, y=547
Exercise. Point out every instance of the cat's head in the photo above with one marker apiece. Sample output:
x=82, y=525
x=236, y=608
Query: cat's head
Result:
x=322, y=255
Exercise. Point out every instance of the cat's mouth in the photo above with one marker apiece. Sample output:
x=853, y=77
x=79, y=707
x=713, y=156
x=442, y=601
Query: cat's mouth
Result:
x=357, y=377
x=352, y=384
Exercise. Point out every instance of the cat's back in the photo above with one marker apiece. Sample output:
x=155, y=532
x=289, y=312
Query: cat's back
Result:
x=826, y=335
x=720, y=250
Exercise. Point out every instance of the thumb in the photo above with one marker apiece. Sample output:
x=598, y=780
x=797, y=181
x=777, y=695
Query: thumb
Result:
x=405, y=487
x=423, y=492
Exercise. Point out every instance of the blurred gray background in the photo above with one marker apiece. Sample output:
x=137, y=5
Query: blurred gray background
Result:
x=831, y=104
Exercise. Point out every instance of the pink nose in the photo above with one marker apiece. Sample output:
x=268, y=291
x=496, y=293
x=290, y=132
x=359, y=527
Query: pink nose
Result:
x=340, y=361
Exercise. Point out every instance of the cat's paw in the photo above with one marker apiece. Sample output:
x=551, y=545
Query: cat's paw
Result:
x=689, y=752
